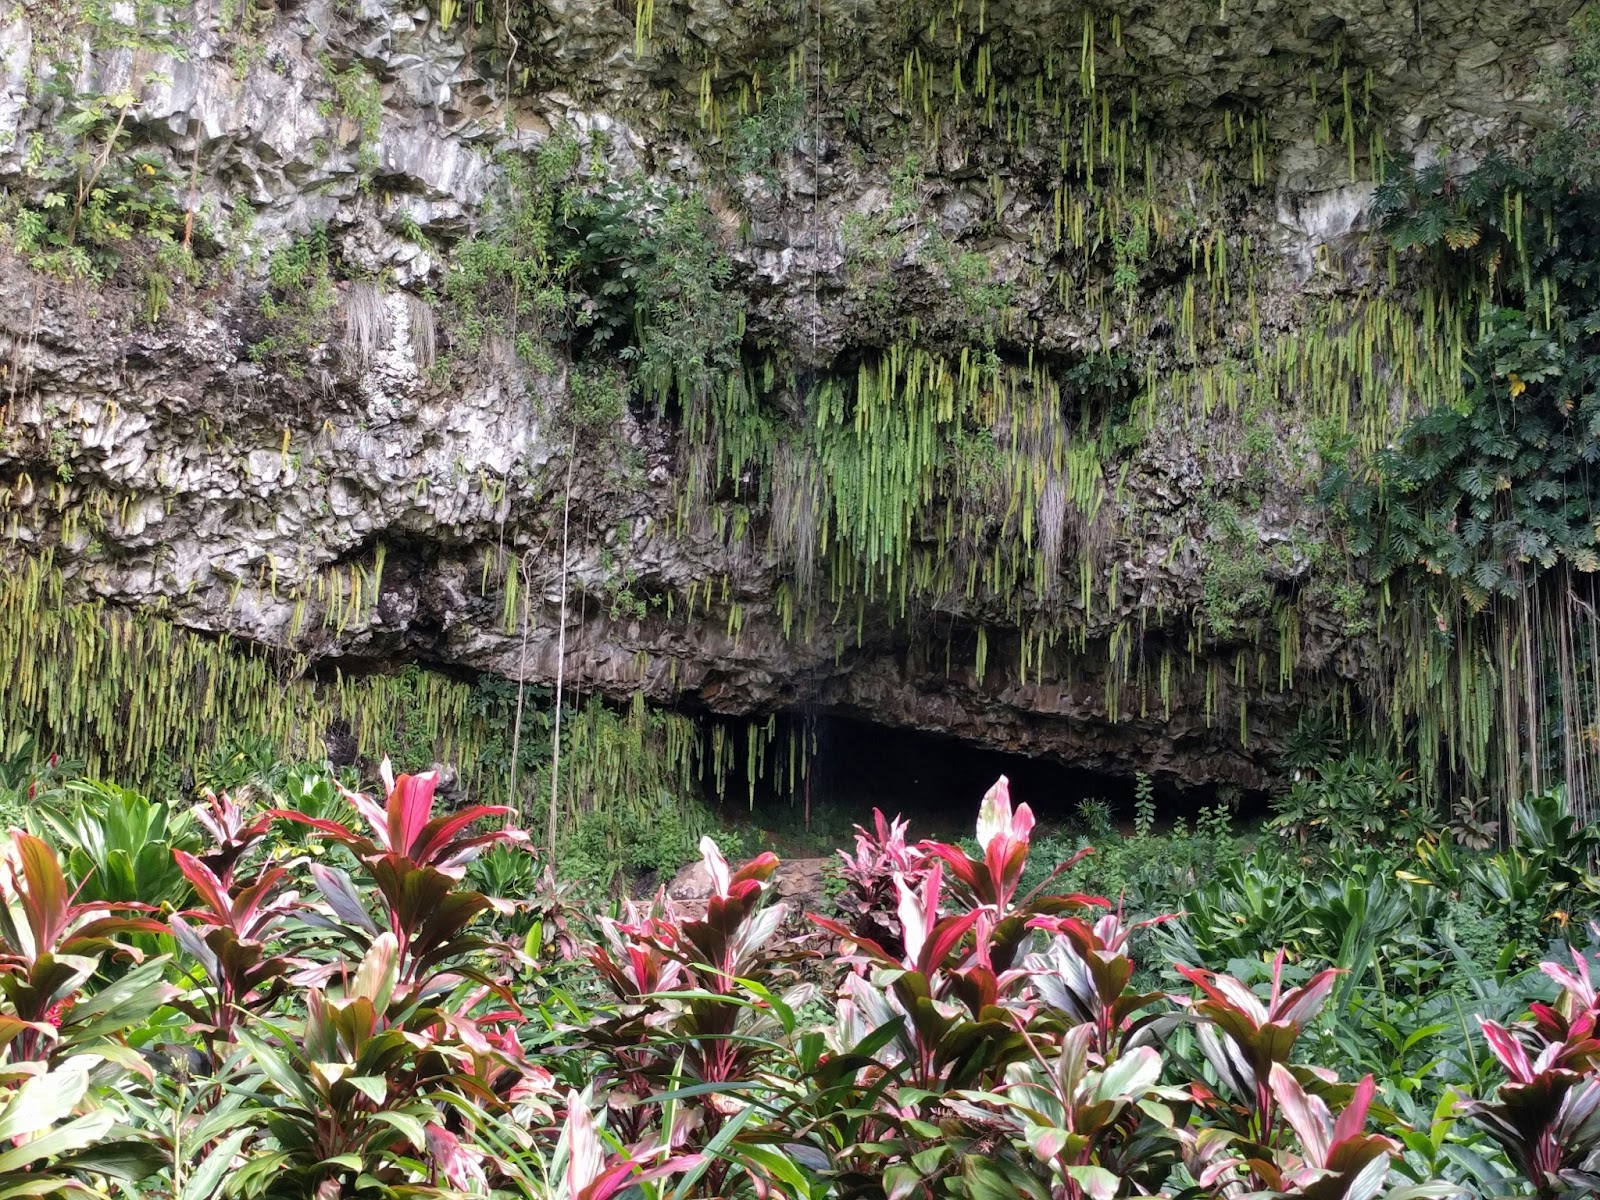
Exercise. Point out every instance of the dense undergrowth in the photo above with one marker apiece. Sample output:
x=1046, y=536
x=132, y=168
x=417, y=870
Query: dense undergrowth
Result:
x=310, y=992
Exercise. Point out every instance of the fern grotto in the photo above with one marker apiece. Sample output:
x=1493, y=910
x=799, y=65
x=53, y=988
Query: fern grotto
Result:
x=508, y=509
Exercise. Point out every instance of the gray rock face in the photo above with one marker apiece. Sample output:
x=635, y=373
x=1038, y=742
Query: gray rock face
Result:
x=238, y=486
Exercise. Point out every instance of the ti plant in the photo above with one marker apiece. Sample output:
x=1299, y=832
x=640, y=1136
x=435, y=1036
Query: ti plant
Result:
x=942, y=1015
x=1244, y=1037
x=1084, y=974
x=234, y=833
x=56, y=1141
x=868, y=900
x=1080, y=1126
x=52, y=950
x=233, y=925
x=1336, y=1159
x=588, y=1172
x=229, y=934
x=350, y=1022
x=702, y=1007
x=356, y=1085
x=416, y=862
x=363, y=1092
x=1546, y=1116
x=1272, y=1133
x=954, y=967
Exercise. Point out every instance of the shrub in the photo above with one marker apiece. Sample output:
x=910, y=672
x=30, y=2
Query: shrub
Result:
x=1356, y=800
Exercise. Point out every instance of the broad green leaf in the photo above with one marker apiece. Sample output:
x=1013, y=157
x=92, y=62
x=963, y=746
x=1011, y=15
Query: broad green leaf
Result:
x=43, y=1100
x=379, y=971
x=1097, y=1182
x=778, y=1165
x=374, y=1087
x=1133, y=1073
x=74, y=1135
x=205, y=1180
x=1046, y=1141
x=900, y=1180
x=408, y=1126
x=278, y=1071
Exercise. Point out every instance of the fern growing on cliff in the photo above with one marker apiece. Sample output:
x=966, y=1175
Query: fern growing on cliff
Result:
x=1493, y=491
x=1483, y=516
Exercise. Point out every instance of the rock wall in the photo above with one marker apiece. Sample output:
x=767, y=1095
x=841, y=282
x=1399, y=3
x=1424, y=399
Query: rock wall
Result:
x=1124, y=249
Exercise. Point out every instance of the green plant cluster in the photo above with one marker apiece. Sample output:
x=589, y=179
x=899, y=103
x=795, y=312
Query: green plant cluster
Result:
x=1353, y=799
x=1479, y=521
x=97, y=208
x=1237, y=582
x=1571, y=148
x=139, y=697
x=1488, y=492
x=608, y=268
x=760, y=139
x=99, y=200
x=358, y=98
x=298, y=304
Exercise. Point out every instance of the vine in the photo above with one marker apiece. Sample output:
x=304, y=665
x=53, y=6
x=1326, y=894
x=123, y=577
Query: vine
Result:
x=1483, y=512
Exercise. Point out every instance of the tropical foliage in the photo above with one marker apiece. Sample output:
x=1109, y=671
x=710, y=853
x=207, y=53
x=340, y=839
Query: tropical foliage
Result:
x=322, y=1001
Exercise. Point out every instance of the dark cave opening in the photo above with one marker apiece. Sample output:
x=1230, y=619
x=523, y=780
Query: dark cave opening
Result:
x=936, y=782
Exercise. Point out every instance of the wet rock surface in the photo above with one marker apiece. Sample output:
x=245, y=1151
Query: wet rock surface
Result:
x=235, y=485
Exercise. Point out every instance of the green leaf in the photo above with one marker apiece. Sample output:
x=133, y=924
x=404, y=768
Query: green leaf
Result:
x=999, y=1179
x=930, y=1159
x=74, y=1135
x=373, y=1087
x=408, y=1126
x=900, y=1180
x=1474, y=1164
x=1099, y=1183
x=291, y=1082
x=1135, y=1072
x=780, y=1166
x=204, y=1182
x=125, y=1159
x=1046, y=1141
x=44, y=1099
x=46, y=1186
x=379, y=971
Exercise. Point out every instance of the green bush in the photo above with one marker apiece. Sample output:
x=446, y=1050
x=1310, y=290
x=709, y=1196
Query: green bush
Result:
x=298, y=304
x=1355, y=800
x=99, y=202
x=611, y=846
x=611, y=269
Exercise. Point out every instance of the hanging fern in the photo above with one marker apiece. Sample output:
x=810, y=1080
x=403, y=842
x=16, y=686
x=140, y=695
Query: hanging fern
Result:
x=1498, y=488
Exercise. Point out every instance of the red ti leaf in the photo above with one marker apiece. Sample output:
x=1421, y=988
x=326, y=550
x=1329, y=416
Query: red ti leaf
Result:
x=205, y=882
x=1306, y=1114
x=458, y=1167
x=1303, y=1003
x=43, y=891
x=409, y=808
x=1354, y=1116
x=945, y=937
x=1508, y=1050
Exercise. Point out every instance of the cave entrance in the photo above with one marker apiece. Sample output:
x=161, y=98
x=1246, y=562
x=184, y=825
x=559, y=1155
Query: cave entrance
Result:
x=936, y=782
